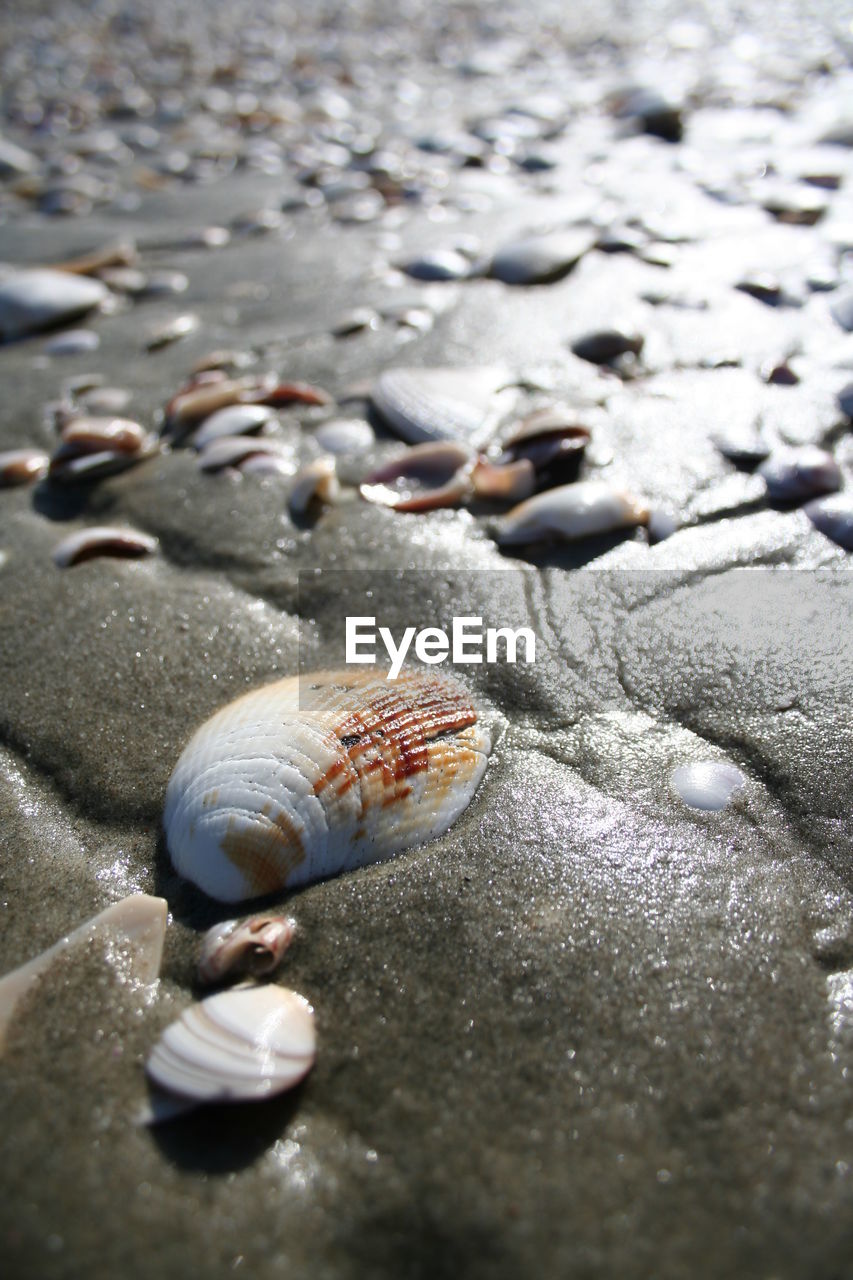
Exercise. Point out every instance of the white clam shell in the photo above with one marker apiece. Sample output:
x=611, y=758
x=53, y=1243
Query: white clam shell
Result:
x=315, y=775
x=33, y=300
x=571, y=511
x=234, y=420
x=540, y=259
x=707, y=784
x=833, y=516
x=247, y=1043
x=103, y=540
x=440, y=404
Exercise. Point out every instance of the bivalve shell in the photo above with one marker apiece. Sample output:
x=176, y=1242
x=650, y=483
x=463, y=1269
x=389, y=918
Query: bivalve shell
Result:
x=239, y=1045
x=37, y=299
x=440, y=404
x=316, y=775
x=570, y=512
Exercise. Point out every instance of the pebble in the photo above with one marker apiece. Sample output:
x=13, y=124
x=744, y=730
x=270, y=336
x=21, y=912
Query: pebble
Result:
x=605, y=345
x=794, y=474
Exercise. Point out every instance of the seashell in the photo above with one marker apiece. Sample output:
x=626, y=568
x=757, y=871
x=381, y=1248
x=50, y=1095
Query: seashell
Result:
x=91, y=435
x=129, y=280
x=171, y=331
x=794, y=474
x=234, y=1046
x=845, y=400
x=236, y=451
x=744, y=448
x=355, y=321
x=102, y=540
x=264, y=463
x=22, y=466
x=106, y=399
x=138, y=926
x=36, y=299
x=73, y=342
x=235, y=420
x=277, y=394
x=249, y=947
x=315, y=482
x=120, y=253
x=505, y=481
x=571, y=511
x=707, y=784
x=164, y=283
x=197, y=401
x=552, y=443
x=540, y=259
x=606, y=345
x=842, y=311
x=344, y=437
x=833, y=516
x=440, y=404
x=649, y=111
x=437, y=474
x=320, y=774
x=81, y=468
x=438, y=264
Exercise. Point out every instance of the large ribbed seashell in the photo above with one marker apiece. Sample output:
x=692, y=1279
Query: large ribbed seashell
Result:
x=319, y=774
x=238, y=1045
x=440, y=404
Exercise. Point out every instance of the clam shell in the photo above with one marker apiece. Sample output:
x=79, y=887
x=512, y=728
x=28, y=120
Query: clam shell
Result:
x=37, y=299
x=102, y=540
x=540, y=259
x=571, y=511
x=792, y=475
x=316, y=481
x=315, y=775
x=440, y=404
x=833, y=516
x=22, y=466
x=248, y=1043
x=234, y=420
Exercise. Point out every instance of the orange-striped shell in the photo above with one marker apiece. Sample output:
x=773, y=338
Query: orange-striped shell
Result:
x=319, y=774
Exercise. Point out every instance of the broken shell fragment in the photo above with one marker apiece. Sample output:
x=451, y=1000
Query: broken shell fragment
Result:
x=794, y=474
x=22, y=466
x=137, y=923
x=37, y=299
x=319, y=774
x=238, y=1045
x=437, y=474
x=833, y=516
x=241, y=948
x=171, y=331
x=707, y=784
x=504, y=481
x=102, y=540
x=570, y=512
x=317, y=481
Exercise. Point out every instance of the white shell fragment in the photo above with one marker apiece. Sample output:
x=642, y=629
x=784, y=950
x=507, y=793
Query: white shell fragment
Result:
x=707, y=784
x=238, y=451
x=137, y=926
x=235, y=420
x=239, y=948
x=37, y=299
x=440, y=404
x=239, y=1045
x=833, y=516
x=315, y=481
x=540, y=259
x=570, y=512
x=102, y=540
x=320, y=774
x=794, y=474
x=172, y=331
